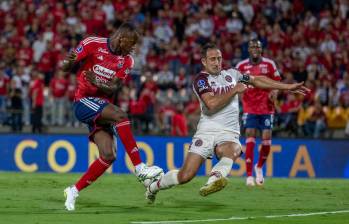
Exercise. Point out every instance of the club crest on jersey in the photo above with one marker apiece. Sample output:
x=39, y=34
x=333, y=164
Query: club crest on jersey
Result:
x=228, y=78
x=264, y=70
x=201, y=83
x=79, y=49
x=198, y=142
x=120, y=64
x=102, y=71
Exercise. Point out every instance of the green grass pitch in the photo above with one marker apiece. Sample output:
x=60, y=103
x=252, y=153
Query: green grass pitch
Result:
x=38, y=198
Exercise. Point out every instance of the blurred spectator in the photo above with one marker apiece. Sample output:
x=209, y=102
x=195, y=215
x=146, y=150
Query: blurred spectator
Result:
x=72, y=121
x=4, y=90
x=287, y=114
x=179, y=122
x=58, y=89
x=315, y=123
x=16, y=110
x=36, y=93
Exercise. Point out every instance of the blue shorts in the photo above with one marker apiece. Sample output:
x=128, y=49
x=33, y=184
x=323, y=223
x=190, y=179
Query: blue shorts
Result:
x=87, y=110
x=258, y=121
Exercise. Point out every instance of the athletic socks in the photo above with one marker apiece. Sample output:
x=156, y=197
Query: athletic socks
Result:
x=263, y=154
x=127, y=139
x=169, y=180
x=97, y=168
x=221, y=169
x=250, y=143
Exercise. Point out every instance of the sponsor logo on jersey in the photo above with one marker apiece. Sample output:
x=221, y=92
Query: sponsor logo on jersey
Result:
x=263, y=65
x=198, y=142
x=104, y=72
x=79, y=49
x=103, y=50
x=264, y=70
x=228, y=78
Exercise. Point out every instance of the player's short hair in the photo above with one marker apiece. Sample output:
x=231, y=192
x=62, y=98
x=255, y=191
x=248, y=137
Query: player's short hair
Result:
x=254, y=40
x=207, y=47
x=129, y=29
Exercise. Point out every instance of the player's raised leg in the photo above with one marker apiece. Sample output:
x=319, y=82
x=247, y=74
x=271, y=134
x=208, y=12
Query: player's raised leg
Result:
x=120, y=122
x=172, y=178
x=105, y=145
x=228, y=152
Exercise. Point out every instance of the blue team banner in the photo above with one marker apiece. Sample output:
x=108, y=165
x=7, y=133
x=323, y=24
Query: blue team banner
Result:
x=73, y=153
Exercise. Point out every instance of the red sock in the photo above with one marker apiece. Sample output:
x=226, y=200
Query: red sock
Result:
x=127, y=139
x=263, y=154
x=96, y=169
x=250, y=143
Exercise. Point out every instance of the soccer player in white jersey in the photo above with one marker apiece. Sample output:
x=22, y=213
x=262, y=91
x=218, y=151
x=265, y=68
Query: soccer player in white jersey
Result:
x=218, y=130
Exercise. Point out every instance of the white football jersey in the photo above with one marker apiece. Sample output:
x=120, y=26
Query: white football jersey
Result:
x=228, y=117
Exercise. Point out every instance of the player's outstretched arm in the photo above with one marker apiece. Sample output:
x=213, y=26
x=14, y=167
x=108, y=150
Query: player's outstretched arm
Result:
x=108, y=88
x=264, y=82
x=215, y=103
x=69, y=62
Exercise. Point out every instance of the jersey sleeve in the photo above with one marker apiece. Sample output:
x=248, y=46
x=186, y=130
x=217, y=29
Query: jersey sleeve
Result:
x=275, y=75
x=239, y=76
x=126, y=68
x=84, y=48
x=201, y=85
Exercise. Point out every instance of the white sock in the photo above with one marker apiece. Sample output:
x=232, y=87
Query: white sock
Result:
x=221, y=169
x=169, y=180
x=139, y=167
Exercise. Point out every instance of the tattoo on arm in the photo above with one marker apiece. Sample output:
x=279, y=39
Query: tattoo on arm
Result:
x=109, y=87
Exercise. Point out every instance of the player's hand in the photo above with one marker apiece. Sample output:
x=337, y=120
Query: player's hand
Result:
x=90, y=76
x=68, y=63
x=273, y=95
x=72, y=56
x=240, y=87
x=298, y=88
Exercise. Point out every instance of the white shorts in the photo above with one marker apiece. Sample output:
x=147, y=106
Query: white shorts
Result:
x=204, y=143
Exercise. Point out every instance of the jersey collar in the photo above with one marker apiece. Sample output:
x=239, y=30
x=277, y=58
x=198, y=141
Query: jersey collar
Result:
x=252, y=63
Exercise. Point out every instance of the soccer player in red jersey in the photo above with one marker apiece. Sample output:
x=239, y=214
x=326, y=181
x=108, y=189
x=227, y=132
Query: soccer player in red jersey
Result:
x=258, y=107
x=106, y=62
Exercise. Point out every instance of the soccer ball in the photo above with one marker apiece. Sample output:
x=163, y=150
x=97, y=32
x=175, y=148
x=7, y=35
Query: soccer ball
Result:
x=149, y=181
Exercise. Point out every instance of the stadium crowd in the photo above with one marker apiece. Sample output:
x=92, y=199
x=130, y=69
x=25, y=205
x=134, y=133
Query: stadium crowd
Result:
x=309, y=40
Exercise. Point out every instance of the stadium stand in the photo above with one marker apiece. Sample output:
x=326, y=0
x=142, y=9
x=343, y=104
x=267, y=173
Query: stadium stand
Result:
x=309, y=40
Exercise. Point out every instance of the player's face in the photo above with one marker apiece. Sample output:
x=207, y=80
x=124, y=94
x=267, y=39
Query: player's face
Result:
x=255, y=49
x=124, y=43
x=213, y=61
x=127, y=44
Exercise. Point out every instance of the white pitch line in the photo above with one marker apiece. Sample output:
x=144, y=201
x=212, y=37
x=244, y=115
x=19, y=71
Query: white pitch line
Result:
x=241, y=218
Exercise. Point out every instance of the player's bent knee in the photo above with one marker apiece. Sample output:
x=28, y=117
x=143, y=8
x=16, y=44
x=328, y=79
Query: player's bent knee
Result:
x=108, y=155
x=119, y=115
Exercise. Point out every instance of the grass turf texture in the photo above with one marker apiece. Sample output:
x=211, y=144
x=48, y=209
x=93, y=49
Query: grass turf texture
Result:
x=38, y=198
